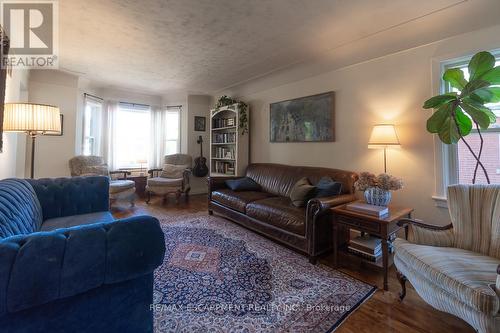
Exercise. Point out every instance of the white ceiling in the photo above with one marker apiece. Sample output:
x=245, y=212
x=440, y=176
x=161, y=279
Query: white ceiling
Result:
x=160, y=46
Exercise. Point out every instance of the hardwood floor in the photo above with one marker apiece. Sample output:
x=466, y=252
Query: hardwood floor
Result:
x=383, y=312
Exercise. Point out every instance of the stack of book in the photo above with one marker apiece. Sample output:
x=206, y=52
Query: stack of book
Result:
x=223, y=122
x=361, y=207
x=367, y=247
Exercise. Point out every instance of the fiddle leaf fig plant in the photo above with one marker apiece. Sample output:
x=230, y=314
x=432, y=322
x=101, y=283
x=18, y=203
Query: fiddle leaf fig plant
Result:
x=456, y=113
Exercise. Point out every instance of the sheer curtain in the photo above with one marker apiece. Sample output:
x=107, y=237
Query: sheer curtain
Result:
x=109, y=134
x=165, y=134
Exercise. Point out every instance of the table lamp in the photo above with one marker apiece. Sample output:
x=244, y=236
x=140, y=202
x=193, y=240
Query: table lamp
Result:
x=384, y=136
x=32, y=119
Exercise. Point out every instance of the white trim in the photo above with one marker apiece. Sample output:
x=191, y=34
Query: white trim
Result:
x=441, y=202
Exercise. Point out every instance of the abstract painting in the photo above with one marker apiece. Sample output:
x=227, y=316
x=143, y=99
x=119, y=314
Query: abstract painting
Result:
x=305, y=119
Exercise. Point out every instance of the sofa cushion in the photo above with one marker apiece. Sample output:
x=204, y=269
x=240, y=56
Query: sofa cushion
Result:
x=117, y=186
x=464, y=274
x=71, y=221
x=20, y=211
x=302, y=191
x=242, y=184
x=279, y=212
x=238, y=200
x=327, y=187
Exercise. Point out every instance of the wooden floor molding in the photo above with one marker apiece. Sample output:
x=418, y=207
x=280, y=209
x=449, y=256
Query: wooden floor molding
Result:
x=381, y=313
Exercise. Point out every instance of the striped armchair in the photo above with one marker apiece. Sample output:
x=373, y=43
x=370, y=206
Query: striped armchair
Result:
x=456, y=268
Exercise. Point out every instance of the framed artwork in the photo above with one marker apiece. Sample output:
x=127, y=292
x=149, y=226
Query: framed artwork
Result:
x=305, y=119
x=200, y=124
x=62, y=129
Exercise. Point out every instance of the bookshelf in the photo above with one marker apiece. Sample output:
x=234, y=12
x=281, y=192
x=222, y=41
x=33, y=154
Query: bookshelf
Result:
x=229, y=151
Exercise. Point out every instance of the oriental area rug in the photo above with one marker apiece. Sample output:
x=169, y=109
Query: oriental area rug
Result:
x=220, y=277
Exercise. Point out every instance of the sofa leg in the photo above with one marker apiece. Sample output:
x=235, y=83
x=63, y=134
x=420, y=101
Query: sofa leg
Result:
x=313, y=260
x=402, y=280
x=210, y=212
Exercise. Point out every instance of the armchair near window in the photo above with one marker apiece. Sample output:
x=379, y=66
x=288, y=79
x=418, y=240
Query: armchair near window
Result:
x=455, y=268
x=173, y=178
x=119, y=189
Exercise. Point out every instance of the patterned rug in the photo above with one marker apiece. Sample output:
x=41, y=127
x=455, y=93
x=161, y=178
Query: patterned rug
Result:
x=220, y=277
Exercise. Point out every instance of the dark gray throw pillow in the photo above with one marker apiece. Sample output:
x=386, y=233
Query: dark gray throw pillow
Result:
x=242, y=184
x=302, y=191
x=327, y=187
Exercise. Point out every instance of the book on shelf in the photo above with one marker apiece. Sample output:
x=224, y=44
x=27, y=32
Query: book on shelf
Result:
x=229, y=137
x=369, y=256
x=224, y=152
x=226, y=168
x=361, y=207
x=224, y=122
x=370, y=246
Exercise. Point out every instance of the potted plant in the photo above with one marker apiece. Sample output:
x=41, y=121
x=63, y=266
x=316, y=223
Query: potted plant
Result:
x=377, y=189
x=227, y=101
x=456, y=113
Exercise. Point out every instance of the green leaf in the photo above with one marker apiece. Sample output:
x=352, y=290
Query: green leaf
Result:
x=480, y=63
x=455, y=77
x=473, y=86
x=479, y=114
x=463, y=121
x=492, y=76
x=437, y=101
x=482, y=96
x=436, y=121
x=495, y=94
x=448, y=132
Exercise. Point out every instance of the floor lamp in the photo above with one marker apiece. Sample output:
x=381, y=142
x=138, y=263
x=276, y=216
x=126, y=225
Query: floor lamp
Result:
x=384, y=136
x=32, y=119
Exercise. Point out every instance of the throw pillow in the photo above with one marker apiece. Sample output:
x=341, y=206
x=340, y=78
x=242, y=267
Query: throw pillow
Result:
x=95, y=170
x=327, y=187
x=173, y=171
x=302, y=191
x=242, y=184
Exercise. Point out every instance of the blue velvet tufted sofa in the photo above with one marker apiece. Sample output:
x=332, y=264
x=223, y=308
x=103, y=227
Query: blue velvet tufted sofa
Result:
x=67, y=266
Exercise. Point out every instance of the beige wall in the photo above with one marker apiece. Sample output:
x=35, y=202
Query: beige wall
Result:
x=389, y=89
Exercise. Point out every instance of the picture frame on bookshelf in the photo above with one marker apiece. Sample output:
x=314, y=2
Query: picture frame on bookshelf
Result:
x=200, y=124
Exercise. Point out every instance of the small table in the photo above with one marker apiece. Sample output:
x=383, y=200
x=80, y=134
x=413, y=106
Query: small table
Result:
x=383, y=228
x=140, y=184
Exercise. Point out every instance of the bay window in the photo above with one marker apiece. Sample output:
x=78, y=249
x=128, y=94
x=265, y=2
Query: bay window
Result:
x=92, y=125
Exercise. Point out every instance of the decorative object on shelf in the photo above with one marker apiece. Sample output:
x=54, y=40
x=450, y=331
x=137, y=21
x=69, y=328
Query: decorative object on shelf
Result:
x=305, y=119
x=34, y=120
x=61, y=133
x=457, y=112
x=4, y=45
x=200, y=163
x=377, y=189
x=242, y=107
x=384, y=136
x=200, y=124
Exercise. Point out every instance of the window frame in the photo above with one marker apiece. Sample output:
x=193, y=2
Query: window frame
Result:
x=95, y=123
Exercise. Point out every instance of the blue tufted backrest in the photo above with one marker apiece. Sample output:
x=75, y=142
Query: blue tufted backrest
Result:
x=61, y=197
x=20, y=211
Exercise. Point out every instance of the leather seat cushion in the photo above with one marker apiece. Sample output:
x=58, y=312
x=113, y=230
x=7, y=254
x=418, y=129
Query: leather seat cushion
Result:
x=116, y=186
x=169, y=182
x=464, y=274
x=280, y=212
x=238, y=200
x=72, y=221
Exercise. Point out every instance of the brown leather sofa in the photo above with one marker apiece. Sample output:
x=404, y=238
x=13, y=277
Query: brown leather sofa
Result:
x=270, y=211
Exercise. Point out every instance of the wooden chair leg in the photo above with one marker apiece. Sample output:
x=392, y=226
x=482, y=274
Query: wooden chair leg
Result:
x=148, y=200
x=178, y=196
x=402, y=280
x=186, y=195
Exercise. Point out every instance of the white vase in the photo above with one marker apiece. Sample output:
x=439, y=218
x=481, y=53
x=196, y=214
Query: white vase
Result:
x=377, y=196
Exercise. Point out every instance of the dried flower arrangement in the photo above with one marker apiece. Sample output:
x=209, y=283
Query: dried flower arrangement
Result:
x=383, y=181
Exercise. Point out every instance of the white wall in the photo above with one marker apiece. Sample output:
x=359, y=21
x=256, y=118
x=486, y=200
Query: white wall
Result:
x=11, y=159
x=59, y=89
x=389, y=89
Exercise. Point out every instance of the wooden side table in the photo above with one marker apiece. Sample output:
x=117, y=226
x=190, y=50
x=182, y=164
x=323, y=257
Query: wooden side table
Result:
x=383, y=228
x=140, y=184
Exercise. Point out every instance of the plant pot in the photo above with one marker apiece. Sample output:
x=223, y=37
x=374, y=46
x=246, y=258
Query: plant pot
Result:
x=378, y=197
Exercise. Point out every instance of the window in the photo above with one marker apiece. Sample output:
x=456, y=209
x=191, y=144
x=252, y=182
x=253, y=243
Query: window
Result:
x=461, y=162
x=92, y=117
x=172, y=142
x=131, y=139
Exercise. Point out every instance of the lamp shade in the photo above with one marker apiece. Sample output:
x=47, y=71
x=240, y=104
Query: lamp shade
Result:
x=383, y=136
x=31, y=118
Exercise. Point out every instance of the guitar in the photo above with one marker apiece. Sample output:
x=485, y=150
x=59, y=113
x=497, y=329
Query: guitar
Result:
x=200, y=163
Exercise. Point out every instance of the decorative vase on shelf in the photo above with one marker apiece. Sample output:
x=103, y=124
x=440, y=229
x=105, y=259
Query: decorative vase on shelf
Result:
x=377, y=196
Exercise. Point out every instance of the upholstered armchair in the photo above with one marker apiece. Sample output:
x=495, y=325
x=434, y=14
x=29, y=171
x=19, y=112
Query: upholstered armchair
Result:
x=172, y=179
x=119, y=189
x=455, y=268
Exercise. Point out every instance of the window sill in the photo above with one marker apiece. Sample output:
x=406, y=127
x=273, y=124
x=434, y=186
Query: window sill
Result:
x=441, y=202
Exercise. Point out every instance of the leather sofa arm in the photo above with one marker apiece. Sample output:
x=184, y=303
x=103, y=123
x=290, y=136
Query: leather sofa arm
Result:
x=217, y=183
x=322, y=204
x=42, y=267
